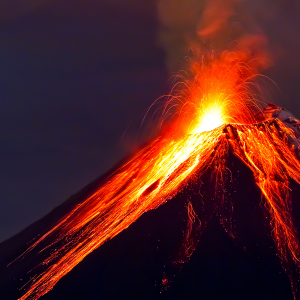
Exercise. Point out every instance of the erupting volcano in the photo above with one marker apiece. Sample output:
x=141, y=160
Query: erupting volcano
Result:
x=213, y=113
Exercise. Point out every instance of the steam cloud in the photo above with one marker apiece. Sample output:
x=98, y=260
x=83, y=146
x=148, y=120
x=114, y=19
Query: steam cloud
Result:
x=213, y=25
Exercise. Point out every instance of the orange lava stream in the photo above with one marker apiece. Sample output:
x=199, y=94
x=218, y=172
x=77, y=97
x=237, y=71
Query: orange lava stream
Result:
x=217, y=95
x=266, y=150
x=144, y=183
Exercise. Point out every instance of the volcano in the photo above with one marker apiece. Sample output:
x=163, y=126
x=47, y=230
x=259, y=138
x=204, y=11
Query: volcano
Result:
x=233, y=166
x=139, y=262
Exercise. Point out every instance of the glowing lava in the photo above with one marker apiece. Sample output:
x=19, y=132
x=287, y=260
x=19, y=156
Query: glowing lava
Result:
x=211, y=120
x=217, y=113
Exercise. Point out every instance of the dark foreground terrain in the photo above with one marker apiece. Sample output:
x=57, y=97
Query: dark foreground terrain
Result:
x=133, y=264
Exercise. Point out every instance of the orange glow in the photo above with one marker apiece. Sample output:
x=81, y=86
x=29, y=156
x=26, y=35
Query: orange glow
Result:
x=217, y=110
x=214, y=92
x=211, y=120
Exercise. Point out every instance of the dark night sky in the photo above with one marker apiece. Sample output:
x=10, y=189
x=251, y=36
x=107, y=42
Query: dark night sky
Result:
x=74, y=75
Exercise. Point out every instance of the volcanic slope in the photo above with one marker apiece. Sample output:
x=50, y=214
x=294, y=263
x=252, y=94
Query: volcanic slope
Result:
x=145, y=259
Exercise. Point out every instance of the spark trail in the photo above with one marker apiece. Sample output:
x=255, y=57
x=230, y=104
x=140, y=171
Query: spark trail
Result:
x=216, y=112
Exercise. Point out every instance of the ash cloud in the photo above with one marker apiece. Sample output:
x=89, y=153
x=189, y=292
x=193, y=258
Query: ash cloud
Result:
x=218, y=25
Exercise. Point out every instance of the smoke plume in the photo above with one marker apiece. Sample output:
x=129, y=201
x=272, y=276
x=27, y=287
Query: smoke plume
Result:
x=201, y=25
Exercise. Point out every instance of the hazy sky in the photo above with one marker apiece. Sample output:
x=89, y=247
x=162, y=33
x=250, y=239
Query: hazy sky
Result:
x=77, y=75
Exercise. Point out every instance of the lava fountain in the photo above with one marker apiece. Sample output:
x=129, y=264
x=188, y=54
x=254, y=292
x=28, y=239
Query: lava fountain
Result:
x=213, y=112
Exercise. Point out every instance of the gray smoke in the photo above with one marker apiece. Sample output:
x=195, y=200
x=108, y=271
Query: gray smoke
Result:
x=213, y=25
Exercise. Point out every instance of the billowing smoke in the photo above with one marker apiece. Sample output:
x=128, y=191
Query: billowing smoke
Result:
x=201, y=25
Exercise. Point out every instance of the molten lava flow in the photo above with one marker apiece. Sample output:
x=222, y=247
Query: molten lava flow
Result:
x=148, y=180
x=265, y=149
x=216, y=113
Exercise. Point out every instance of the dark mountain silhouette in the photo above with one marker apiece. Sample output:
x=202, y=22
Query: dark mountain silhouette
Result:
x=134, y=263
